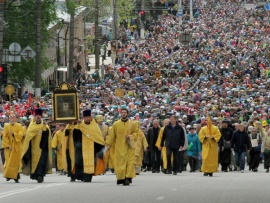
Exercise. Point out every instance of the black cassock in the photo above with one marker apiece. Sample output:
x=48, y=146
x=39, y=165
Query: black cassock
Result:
x=79, y=172
x=41, y=169
x=69, y=165
x=225, y=155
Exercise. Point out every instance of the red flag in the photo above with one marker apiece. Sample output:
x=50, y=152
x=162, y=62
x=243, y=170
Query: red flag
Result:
x=29, y=99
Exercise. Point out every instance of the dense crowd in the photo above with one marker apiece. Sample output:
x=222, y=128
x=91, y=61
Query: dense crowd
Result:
x=223, y=72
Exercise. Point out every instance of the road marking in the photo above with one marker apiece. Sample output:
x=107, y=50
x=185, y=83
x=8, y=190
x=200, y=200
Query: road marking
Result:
x=174, y=189
x=10, y=193
x=14, y=193
x=3, y=193
x=161, y=198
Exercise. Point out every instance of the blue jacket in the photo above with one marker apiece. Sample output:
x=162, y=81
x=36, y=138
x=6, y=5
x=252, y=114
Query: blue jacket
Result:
x=196, y=147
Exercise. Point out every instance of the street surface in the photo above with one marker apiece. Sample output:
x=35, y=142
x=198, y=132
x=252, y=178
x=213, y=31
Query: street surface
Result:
x=231, y=187
x=92, y=62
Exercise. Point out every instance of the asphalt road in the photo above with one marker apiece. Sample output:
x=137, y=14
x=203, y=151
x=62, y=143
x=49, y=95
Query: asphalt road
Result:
x=231, y=187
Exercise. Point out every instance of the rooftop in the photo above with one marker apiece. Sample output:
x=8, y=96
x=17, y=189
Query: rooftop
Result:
x=62, y=13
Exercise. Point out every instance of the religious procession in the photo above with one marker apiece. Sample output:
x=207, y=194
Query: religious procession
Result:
x=160, y=107
x=88, y=147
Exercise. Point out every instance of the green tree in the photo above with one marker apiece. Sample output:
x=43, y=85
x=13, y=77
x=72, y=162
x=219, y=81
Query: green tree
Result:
x=71, y=6
x=20, y=27
x=124, y=8
x=89, y=43
x=105, y=8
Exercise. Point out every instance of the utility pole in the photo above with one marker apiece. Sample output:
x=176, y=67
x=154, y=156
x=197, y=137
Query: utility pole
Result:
x=115, y=21
x=71, y=46
x=58, y=46
x=96, y=37
x=180, y=9
x=84, y=36
x=2, y=8
x=114, y=33
x=38, y=50
x=191, y=10
x=141, y=22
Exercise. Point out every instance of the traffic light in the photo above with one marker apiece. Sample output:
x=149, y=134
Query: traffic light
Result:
x=3, y=74
x=142, y=14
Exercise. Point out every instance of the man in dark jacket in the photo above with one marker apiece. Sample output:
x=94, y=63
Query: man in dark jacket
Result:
x=240, y=144
x=174, y=137
x=225, y=145
x=152, y=136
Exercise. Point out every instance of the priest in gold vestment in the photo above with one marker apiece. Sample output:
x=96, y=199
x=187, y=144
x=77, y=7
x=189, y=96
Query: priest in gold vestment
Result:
x=124, y=135
x=37, y=150
x=163, y=149
x=140, y=147
x=110, y=155
x=88, y=142
x=12, y=137
x=59, y=142
x=209, y=136
x=104, y=128
x=70, y=151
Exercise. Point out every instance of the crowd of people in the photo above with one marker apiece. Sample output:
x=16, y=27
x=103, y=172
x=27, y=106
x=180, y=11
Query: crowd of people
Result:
x=223, y=73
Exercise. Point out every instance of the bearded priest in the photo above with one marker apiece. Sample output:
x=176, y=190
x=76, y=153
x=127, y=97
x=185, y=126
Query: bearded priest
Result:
x=88, y=142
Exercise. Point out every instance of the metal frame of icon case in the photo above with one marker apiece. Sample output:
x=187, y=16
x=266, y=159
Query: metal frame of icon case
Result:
x=65, y=103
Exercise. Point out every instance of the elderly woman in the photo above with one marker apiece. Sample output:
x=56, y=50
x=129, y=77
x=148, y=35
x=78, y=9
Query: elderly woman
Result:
x=255, y=151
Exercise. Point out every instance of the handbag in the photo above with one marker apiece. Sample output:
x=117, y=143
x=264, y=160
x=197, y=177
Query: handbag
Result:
x=226, y=145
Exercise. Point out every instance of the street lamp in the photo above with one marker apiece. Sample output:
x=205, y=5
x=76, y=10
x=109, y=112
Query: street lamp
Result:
x=191, y=10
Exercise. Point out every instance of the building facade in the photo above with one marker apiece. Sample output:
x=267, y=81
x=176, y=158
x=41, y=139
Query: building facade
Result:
x=58, y=48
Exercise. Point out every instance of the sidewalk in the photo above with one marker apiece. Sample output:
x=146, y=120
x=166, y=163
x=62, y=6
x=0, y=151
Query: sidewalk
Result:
x=92, y=62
